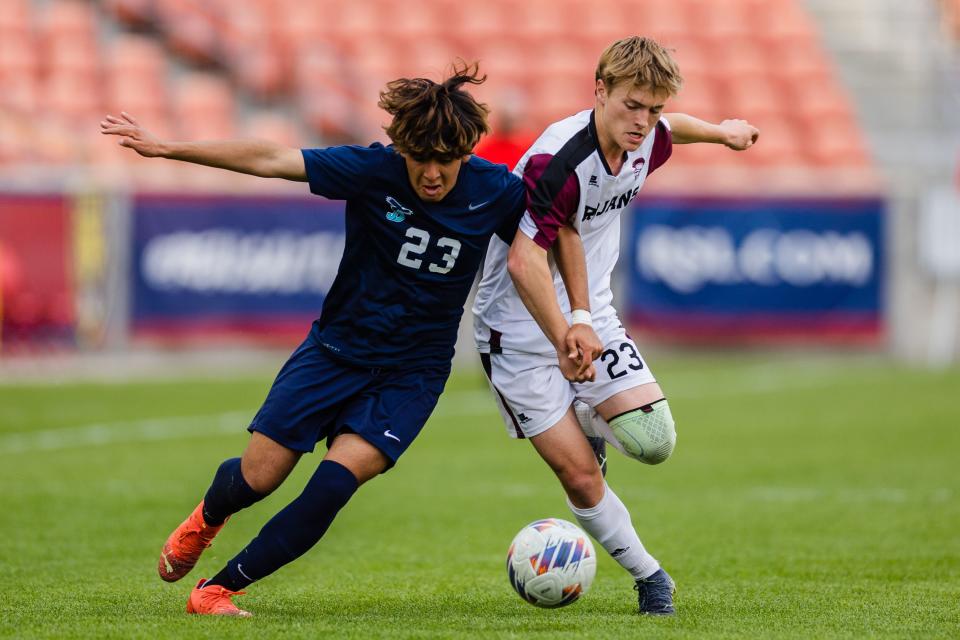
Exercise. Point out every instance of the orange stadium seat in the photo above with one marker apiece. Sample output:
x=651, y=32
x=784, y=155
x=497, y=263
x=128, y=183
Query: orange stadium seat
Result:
x=780, y=144
x=137, y=55
x=412, y=20
x=477, y=21
x=536, y=20
x=816, y=103
x=743, y=58
x=757, y=59
x=142, y=96
x=663, y=21
x=506, y=61
x=359, y=21
x=135, y=13
x=264, y=125
x=21, y=93
x=318, y=64
x=73, y=55
x=71, y=19
x=694, y=56
x=203, y=106
x=783, y=22
x=555, y=98
x=837, y=143
x=760, y=100
x=18, y=55
x=74, y=99
x=189, y=29
x=328, y=110
x=598, y=28
x=13, y=138
x=304, y=24
x=262, y=69
x=700, y=96
x=560, y=58
x=724, y=22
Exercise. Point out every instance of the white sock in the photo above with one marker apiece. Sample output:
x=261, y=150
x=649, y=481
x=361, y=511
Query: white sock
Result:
x=609, y=523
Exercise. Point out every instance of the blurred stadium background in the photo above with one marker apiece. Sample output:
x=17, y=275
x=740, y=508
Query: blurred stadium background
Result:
x=839, y=228
x=794, y=295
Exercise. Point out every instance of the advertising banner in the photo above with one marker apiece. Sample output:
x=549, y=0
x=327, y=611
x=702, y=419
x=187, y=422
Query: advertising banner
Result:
x=259, y=267
x=714, y=270
x=36, y=271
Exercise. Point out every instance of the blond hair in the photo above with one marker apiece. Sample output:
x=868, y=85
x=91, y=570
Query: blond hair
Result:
x=641, y=61
x=435, y=121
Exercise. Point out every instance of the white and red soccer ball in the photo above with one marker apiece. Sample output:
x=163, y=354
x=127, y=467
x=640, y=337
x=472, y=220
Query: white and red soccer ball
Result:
x=551, y=563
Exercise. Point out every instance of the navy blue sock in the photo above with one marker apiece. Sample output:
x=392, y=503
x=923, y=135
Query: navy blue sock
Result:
x=291, y=533
x=228, y=494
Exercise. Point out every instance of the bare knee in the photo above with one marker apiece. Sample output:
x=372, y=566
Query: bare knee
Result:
x=266, y=463
x=584, y=487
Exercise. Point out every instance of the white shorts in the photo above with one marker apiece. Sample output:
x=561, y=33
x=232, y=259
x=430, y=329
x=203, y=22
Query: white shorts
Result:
x=533, y=395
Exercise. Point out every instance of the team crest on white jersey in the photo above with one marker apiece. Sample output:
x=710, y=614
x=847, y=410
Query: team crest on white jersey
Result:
x=638, y=166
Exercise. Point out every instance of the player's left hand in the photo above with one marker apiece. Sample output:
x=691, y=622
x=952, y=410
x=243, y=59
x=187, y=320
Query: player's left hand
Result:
x=739, y=134
x=583, y=347
x=132, y=135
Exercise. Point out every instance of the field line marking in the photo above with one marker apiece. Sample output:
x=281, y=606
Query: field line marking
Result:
x=455, y=403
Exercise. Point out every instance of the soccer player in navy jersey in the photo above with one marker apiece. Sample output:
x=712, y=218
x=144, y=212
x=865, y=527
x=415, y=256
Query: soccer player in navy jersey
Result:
x=419, y=215
x=581, y=174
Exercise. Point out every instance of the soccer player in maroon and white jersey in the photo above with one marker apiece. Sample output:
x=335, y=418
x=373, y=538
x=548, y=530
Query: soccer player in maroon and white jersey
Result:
x=580, y=175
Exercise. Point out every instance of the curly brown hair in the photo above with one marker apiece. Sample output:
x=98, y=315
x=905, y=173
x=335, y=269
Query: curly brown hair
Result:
x=435, y=121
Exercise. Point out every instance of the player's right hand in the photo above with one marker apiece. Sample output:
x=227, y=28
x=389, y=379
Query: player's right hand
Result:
x=132, y=135
x=583, y=346
x=576, y=370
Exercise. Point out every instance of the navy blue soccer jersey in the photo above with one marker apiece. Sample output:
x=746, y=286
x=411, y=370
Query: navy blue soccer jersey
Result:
x=408, y=265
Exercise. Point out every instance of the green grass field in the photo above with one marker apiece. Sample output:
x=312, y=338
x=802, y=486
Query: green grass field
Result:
x=807, y=498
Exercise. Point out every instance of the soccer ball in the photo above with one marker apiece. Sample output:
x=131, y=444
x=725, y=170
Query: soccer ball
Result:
x=551, y=563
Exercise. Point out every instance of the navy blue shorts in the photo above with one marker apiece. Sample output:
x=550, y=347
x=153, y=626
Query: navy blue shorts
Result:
x=316, y=397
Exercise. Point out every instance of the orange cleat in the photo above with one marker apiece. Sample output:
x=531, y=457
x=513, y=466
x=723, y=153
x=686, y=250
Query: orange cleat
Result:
x=214, y=600
x=184, y=546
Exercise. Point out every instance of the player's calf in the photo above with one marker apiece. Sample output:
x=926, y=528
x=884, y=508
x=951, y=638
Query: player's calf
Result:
x=648, y=433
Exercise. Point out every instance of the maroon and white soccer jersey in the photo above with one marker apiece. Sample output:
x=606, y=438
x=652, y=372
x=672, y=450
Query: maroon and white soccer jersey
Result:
x=568, y=182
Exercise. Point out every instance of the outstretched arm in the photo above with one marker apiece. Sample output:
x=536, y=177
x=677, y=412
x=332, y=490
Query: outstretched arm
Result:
x=735, y=134
x=255, y=157
x=527, y=264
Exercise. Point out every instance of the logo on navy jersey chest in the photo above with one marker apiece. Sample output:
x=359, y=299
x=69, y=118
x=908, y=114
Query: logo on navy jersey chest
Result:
x=618, y=201
x=396, y=212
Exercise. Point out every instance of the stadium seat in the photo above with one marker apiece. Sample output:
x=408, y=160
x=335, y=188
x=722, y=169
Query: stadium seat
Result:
x=204, y=106
x=189, y=29
x=700, y=96
x=781, y=144
x=68, y=95
x=68, y=19
x=133, y=13
x=21, y=92
x=261, y=69
x=77, y=56
x=837, y=143
x=413, y=20
x=275, y=127
x=136, y=55
x=18, y=55
x=760, y=100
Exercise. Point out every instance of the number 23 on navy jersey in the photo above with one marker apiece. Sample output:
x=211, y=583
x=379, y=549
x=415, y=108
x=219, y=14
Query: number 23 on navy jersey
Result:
x=408, y=265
